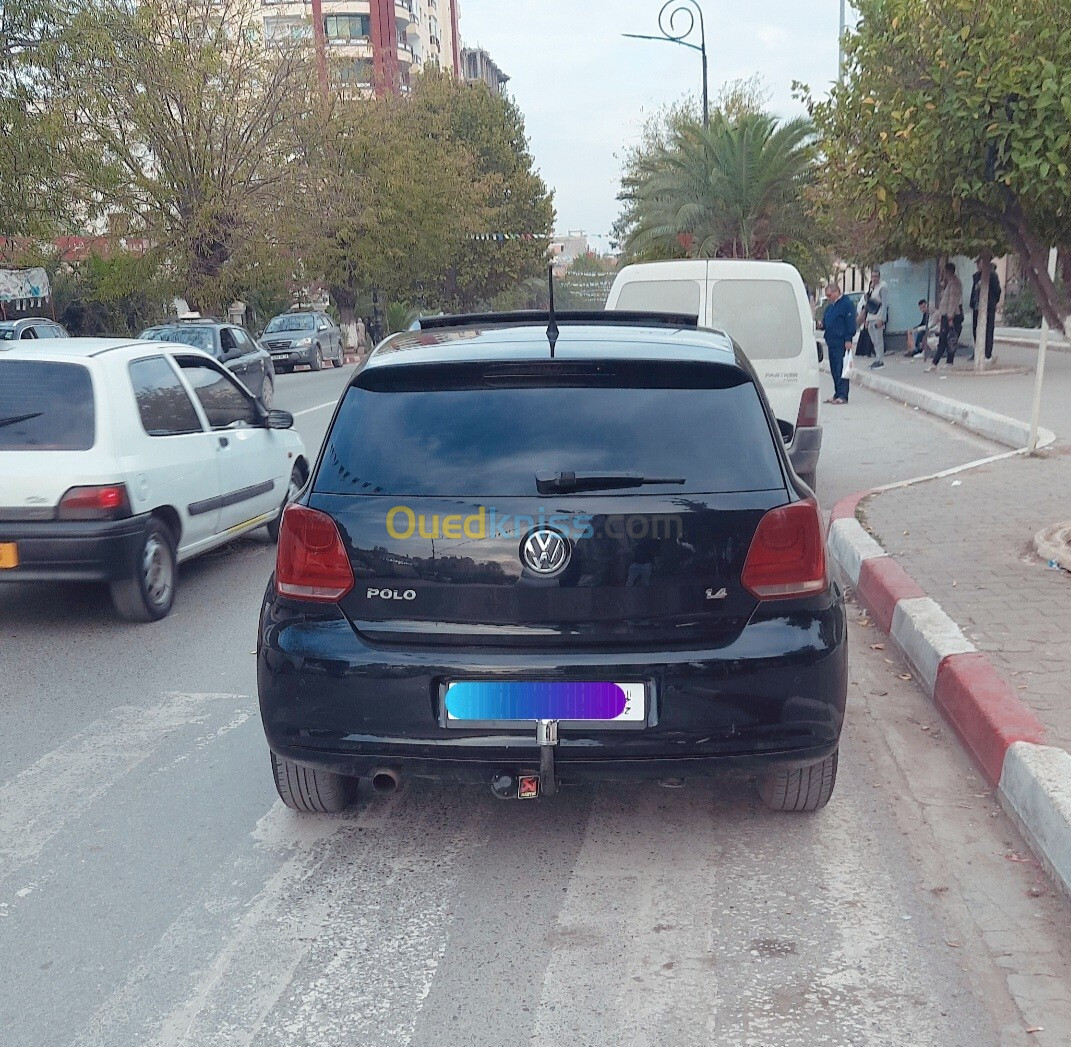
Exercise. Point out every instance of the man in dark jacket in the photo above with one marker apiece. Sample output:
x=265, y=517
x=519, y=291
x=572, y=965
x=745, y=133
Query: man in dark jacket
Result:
x=991, y=311
x=839, y=325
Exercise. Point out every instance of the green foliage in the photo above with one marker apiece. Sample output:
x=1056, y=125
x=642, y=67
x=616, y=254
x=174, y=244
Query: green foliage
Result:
x=1021, y=309
x=952, y=131
x=734, y=190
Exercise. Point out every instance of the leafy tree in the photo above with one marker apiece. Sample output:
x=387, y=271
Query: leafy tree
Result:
x=733, y=190
x=35, y=197
x=952, y=132
x=192, y=120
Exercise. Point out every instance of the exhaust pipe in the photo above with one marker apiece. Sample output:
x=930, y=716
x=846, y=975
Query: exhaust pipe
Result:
x=384, y=780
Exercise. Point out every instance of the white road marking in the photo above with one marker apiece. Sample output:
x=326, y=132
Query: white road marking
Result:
x=632, y=961
x=59, y=788
x=336, y=944
x=318, y=407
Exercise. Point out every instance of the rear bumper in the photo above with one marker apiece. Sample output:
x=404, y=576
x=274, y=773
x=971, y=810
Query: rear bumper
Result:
x=773, y=697
x=805, y=448
x=77, y=551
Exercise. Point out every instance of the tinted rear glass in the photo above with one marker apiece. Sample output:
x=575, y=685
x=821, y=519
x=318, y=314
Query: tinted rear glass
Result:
x=494, y=440
x=668, y=296
x=45, y=406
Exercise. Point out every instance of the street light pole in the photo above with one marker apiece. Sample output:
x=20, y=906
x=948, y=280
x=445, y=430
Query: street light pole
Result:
x=840, y=41
x=676, y=22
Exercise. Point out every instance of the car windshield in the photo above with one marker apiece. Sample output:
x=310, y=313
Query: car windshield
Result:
x=199, y=337
x=291, y=322
x=45, y=406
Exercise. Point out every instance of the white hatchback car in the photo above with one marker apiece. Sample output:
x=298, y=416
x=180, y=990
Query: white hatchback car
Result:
x=119, y=459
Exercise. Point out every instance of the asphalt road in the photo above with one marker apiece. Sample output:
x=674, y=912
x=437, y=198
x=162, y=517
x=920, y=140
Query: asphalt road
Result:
x=153, y=891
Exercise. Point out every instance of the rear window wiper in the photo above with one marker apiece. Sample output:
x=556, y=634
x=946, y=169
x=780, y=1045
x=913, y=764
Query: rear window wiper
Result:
x=558, y=483
x=14, y=419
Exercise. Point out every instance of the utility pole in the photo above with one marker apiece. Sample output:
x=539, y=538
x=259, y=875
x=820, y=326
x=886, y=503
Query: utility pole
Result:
x=840, y=41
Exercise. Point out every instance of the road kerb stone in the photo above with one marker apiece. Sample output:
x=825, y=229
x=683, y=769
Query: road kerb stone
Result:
x=997, y=427
x=1035, y=789
x=927, y=636
x=883, y=583
x=850, y=545
x=986, y=713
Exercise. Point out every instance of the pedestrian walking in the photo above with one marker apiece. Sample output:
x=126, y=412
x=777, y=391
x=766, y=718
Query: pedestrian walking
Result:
x=991, y=306
x=876, y=308
x=362, y=336
x=950, y=311
x=918, y=336
x=840, y=327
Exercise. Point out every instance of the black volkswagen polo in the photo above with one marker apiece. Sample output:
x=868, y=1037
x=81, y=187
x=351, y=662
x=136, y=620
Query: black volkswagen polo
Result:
x=537, y=552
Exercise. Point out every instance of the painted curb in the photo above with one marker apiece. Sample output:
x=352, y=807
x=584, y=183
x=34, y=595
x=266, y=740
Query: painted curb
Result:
x=1035, y=789
x=1001, y=734
x=979, y=420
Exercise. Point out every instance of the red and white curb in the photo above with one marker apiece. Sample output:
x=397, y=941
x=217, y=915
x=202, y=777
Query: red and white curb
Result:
x=1003, y=736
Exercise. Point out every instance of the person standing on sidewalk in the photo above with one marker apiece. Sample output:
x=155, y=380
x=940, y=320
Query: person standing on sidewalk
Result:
x=876, y=307
x=839, y=325
x=991, y=309
x=950, y=311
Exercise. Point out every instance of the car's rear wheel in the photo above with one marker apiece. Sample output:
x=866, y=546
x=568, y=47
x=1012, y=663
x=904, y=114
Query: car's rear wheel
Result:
x=807, y=789
x=297, y=481
x=267, y=394
x=317, y=361
x=340, y=359
x=149, y=594
x=310, y=790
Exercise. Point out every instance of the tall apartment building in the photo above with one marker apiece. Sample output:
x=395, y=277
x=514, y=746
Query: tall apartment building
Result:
x=374, y=44
x=478, y=65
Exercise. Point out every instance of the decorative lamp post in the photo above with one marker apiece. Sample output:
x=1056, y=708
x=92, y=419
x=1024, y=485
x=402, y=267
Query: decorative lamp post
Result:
x=677, y=22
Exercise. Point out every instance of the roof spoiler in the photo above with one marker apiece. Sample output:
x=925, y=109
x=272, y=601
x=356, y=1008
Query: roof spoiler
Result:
x=538, y=318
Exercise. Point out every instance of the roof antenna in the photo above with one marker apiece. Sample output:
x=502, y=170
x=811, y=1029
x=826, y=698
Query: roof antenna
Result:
x=552, y=328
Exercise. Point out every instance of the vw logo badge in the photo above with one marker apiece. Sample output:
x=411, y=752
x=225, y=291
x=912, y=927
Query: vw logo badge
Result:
x=546, y=552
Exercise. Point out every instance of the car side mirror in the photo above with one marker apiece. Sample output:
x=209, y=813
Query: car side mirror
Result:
x=278, y=419
x=788, y=430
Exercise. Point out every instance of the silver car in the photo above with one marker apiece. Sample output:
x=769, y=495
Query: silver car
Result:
x=297, y=338
x=30, y=327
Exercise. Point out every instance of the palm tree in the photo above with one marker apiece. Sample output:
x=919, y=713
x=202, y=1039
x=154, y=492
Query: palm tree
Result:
x=734, y=190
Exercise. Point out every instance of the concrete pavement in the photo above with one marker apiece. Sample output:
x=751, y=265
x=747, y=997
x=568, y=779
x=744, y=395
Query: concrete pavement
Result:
x=949, y=569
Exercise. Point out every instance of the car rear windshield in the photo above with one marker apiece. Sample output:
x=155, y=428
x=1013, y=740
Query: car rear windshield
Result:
x=45, y=406
x=198, y=337
x=297, y=322
x=492, y=436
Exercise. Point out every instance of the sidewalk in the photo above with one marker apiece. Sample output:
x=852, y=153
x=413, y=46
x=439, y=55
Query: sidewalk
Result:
x=1029, y=337
x=962, y=546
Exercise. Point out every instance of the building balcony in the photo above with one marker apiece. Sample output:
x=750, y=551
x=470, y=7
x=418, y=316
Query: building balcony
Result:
x=403, y=11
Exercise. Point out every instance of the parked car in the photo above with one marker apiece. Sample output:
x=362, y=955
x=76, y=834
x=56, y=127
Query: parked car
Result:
x=764, y=307
x=530, y=557
x=303, y=338
x=233, y=347
x=120, y=459
x=31, y=327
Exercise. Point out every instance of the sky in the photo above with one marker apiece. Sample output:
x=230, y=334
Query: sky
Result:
x=585, y=90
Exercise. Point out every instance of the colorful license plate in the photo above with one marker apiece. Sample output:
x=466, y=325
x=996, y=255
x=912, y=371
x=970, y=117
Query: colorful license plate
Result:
x=9, y=556
x=512, y=700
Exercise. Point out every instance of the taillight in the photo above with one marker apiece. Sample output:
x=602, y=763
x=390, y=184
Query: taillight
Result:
x=787, y=557
x=311, y=563
x=109, y=502
x=808, y=414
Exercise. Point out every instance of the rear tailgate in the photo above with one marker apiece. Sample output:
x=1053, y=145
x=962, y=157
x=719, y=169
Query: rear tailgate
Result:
x=433, y=483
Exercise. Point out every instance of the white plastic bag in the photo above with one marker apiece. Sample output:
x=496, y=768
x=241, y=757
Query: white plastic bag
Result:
x=849, y=363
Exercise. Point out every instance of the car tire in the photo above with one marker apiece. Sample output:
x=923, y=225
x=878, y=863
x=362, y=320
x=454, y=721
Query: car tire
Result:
x=340, y=359
x=810, y=479
x=806, y=789
x=312, y=791
x=149, y=595
x=297, y=481
x=317, y=361
x=267, y=394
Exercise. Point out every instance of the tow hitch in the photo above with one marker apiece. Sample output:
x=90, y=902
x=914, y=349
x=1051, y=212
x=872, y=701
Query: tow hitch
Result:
x=527, y=785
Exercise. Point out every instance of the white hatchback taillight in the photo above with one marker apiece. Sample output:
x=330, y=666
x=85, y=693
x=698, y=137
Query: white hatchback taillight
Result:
x=311, y=563
x=787, y=558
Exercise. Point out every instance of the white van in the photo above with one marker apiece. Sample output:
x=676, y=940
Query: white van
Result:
x=764, y=307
